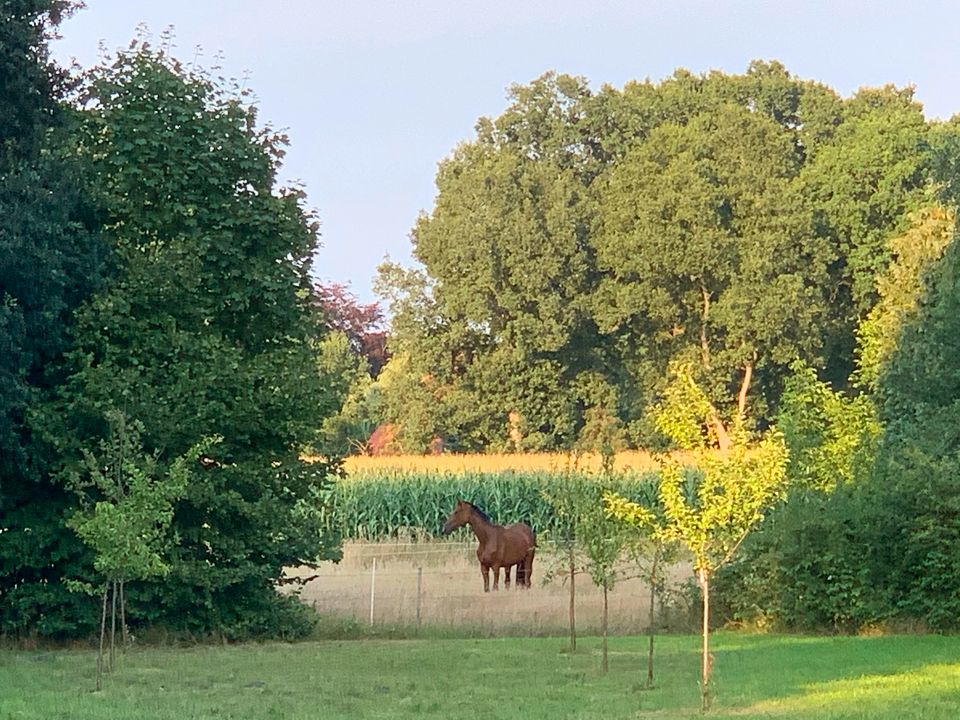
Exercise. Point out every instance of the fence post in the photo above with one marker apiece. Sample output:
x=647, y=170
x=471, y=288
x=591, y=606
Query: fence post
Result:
x=419, y=585
x=373, y=587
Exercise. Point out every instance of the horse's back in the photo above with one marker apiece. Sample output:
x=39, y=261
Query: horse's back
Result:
x=525, y=530
x=520, y=540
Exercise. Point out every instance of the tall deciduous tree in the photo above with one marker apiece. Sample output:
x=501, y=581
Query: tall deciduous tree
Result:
x=709, y=254
x=50, y=261
x=207, y=331
x=863, y=184
x=507, y=254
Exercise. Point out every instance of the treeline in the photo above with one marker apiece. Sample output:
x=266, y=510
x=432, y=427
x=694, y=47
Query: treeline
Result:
x=154, y=299
x=585, y=240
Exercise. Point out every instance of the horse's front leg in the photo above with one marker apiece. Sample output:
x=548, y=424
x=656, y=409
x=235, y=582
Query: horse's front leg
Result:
x=506, y=577
x=496, y=577
x=485, y=574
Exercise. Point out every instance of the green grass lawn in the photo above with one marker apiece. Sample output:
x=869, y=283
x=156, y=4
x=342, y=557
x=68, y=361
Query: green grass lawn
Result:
x=755, y=677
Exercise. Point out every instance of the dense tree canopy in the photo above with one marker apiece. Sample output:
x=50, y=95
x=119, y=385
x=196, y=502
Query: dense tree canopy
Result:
x=583, y=241
x=205, y=326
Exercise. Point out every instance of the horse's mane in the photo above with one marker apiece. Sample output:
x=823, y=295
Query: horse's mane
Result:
x=481, y=513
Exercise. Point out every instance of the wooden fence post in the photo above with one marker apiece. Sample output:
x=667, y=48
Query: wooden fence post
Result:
x=419, y=586
x=373, y=588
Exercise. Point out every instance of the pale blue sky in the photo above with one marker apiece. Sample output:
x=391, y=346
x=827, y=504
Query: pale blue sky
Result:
x=375, y=93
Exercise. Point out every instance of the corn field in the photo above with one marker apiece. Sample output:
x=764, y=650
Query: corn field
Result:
x=390, y=504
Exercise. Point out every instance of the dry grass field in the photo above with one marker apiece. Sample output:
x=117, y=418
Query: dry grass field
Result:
x=451, y=593
x=476, y=462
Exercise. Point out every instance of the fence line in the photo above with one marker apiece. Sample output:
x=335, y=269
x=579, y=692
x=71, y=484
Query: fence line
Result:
x=441, y=545
x=418, y=595
x=429, y=572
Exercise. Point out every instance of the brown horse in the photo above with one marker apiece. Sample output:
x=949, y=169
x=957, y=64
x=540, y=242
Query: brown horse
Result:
x=500, y=547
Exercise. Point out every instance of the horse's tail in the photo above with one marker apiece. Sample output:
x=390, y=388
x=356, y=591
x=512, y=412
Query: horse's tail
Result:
x=528, y=561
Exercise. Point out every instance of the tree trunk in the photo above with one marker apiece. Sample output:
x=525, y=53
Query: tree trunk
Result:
x=650, y=619
x=704, y=577
x=103, y=633
x=605, y=665
x=744, y=389
x=573, y=596
x=705, y=315
x=123, y=616
x=113, y=624
x=720, y=430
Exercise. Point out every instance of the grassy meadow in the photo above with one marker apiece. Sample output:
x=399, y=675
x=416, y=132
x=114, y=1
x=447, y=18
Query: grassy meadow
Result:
x=893, y=678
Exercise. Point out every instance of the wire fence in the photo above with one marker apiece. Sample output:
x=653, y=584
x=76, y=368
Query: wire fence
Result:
x=440, y=584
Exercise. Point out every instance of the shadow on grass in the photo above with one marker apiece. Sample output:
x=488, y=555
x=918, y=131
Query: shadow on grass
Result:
x=836, y=677
x=930, y=691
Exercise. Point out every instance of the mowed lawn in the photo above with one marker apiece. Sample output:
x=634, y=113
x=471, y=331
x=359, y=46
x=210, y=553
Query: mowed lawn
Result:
x=530, y=678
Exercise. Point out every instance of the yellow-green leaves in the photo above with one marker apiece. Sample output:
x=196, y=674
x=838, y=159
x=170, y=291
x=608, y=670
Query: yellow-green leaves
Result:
x=127, y=525
x=710, y=500
x=735, y=491
x=683, y=413
x=630, y=512
x=900, y=289
x=831, y=437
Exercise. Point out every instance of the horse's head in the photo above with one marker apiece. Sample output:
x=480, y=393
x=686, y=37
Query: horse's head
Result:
x=458, y=518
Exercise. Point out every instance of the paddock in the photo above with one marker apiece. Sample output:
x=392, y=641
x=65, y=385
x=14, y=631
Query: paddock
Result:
x=438, y=584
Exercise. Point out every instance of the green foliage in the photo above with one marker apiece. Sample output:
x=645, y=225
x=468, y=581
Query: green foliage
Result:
x=732, y=493
x=804, y=567
x=684, y=411
x=50, y=261
x=500, y=326
x=127, y=525
x=586, y=240
x=208, y=330
x=900, y=289
x=866, y=180
x=356, y=395
x=912, y=534
x=831, y=438
x=31, y=83
x=708, y=251
x=911, y=499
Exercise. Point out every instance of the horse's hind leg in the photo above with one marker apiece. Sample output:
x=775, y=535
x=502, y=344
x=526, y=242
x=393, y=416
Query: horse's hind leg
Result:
x=528, y=568
x=506, y=577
